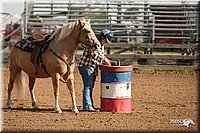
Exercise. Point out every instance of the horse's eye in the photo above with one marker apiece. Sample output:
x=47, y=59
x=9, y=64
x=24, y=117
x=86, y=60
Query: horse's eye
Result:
x=87, y=31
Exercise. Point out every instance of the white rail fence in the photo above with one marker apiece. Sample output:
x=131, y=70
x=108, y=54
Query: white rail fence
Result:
x=149, y=24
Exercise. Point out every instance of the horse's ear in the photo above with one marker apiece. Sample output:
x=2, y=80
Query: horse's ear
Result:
x=57, y=30
x=57, y=26
x=81, y=22
x=88, y=21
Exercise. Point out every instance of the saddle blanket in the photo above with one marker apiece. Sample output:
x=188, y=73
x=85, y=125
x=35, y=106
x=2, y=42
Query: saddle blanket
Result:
x=25, y=44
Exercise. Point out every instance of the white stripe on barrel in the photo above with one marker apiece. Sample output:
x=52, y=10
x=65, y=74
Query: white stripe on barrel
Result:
x=116, y=90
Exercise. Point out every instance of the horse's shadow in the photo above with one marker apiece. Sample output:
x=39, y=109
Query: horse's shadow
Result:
x=42, y=110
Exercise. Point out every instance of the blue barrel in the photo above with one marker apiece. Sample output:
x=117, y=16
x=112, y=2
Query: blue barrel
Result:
x=116, y=88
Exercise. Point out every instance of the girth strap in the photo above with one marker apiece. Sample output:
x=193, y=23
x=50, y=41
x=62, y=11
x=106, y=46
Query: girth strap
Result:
x=62, y=59
x=45, y=70
x=58, y=56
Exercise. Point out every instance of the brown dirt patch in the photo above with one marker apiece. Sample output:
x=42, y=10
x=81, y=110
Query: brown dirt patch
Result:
x=157, y=98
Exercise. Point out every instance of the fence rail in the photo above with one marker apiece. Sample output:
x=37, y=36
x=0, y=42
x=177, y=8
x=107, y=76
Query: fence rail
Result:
x=136, y=24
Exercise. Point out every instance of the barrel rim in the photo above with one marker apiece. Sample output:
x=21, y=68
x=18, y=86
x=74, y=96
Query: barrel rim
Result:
x=125, y=68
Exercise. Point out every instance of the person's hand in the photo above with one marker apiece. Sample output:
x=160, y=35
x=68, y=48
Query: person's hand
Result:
x=114, y=63
x=107, y=62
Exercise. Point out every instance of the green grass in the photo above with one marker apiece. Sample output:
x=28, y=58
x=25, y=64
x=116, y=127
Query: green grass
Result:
x=141, y=50
x=168, y=71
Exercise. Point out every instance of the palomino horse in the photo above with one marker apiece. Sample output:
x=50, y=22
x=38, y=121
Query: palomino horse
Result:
x=59, y=59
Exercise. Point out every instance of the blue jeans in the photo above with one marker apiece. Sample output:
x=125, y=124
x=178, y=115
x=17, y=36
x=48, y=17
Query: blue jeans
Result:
x=88, y=77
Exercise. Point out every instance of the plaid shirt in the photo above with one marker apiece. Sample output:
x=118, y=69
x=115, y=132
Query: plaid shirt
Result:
x=92, y=58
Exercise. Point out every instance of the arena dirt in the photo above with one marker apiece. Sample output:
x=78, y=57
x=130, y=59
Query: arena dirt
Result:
x=158, y=100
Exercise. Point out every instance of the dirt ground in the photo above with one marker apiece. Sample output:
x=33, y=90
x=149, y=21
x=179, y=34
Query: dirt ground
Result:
x=160, y=102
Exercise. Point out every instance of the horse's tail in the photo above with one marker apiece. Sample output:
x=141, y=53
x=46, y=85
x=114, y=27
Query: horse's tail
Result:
x=20, y=85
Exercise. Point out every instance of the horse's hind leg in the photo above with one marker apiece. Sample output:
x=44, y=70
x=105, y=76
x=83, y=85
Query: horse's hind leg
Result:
x=31, y=85
x=13, y=74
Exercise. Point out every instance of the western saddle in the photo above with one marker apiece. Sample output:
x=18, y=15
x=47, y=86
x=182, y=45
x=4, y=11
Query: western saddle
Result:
x=41, y=42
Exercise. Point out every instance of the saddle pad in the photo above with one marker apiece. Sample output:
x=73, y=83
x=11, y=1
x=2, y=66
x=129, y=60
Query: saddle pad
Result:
x=25, y=44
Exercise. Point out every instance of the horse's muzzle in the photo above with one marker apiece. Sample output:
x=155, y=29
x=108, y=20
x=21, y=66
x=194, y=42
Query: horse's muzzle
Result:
x=96, y=44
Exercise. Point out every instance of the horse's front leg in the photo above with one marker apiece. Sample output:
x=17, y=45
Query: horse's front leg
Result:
x=70, y=85
x=55, y=81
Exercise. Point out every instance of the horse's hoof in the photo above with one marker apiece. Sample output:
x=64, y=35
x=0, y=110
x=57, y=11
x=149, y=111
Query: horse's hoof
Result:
x=7, y=105
x=7, y=108
x=34, y=105
x=36, y=109
x=75, y=111
x=58, y=111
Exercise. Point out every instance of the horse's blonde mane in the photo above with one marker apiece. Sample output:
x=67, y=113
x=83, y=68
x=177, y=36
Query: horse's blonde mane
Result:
x=65, y=30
